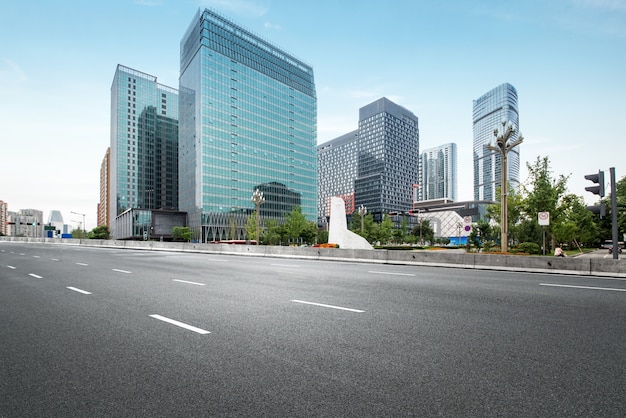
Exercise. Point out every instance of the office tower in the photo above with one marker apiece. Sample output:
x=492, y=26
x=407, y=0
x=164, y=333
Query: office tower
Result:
x=388, y=158
x=247, y=121
x=489, y=111
x=438, y=173
x=144, y=144
x=4, y=217
x=337, y=161
x=105, y=185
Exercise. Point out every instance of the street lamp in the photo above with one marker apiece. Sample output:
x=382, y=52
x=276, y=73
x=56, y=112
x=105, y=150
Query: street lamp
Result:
x=258, y=199
x=83, y=215
x=362, y=212
x=502, y=137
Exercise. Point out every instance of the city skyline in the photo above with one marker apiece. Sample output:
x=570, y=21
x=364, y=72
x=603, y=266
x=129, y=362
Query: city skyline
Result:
x=564, y=58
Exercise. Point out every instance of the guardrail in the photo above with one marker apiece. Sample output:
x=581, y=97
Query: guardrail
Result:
x=569, y=265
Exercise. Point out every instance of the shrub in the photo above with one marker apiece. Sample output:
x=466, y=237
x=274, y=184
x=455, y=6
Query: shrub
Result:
x=529, y=247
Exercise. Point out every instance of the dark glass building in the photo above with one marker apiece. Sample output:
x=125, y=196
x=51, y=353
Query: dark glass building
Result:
x=247, y=118
x=144, y=144
x=377, y=164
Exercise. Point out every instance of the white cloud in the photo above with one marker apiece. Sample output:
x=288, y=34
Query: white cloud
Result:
x=247, y=8
x=271, y=26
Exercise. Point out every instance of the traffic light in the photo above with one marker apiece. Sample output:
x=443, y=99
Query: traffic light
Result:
x=598, y=209
x=599, y=180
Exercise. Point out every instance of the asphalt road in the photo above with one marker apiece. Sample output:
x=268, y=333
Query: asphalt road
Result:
x=103, y=332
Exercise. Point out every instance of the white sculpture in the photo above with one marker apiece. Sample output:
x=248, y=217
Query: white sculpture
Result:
x=338, y=232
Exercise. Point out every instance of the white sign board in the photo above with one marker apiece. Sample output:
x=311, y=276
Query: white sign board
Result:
x=544, y=218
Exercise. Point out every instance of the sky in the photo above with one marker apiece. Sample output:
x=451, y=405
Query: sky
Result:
x=566, y=58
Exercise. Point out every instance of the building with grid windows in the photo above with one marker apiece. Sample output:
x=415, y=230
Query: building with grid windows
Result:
x=247, y=121
x=388, y=158
x=375, y=166
x=438, y=173
x=337, y=171
x=489, y=111
x=144, y=145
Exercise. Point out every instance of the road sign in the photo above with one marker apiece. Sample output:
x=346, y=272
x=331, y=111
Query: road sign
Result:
x=544, y=218
x=467, y=219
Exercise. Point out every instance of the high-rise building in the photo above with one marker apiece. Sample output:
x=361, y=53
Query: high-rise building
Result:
x=144, y=144
x=337, y=161
x=247, y=121
x=489, y=111
x=375, y=166
x=438, y=173
x=388, y=158
x=4, y=217
x=105, y=184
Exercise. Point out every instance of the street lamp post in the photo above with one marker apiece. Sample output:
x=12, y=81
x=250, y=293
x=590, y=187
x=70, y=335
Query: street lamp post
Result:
x=258, y=199
x=362, y=213
x=84, y=230
x=503, y=147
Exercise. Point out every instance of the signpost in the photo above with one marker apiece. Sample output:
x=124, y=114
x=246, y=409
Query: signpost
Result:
x=544, y=220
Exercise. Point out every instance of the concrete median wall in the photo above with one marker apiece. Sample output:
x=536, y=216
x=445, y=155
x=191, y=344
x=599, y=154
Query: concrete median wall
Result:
x=567, y=265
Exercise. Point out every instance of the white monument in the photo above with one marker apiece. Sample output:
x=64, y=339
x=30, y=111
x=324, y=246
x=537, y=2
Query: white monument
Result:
x=338, y=232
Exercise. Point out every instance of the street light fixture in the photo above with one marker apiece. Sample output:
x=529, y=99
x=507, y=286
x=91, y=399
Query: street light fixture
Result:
x=258, y=199
x=362, y=212
x=502, y=137
x=84, y=230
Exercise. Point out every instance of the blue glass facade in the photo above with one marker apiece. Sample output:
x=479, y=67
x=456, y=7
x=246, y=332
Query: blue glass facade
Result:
x=247, y=120
x=144, y=144
x=489, y=110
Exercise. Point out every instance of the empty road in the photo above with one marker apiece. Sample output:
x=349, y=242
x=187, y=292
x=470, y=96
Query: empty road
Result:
x=105, y=332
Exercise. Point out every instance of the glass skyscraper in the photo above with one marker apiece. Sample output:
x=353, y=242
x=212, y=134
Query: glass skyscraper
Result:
x=438, y=173
x=247, y=120
x=489, y=111
x=144, y=144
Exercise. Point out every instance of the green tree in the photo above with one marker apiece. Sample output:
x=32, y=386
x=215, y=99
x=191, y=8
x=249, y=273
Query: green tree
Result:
x=543, y=193
x=99, y=232
x=251, y=230
x=424, y=232
x=370, y=228
x=385, y=228
x=78, y=234
x=297, y=226
x=272, y=232
x=577, y=224
x=399, y=234
x=181, y=233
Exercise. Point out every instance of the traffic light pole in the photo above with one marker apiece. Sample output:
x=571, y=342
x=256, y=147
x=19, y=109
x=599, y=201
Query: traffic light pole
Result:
x=614, y=214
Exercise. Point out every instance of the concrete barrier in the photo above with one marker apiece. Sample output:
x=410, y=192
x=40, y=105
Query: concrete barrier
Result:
x=567, y=265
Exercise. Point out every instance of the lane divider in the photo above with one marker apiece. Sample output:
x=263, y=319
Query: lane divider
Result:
x=323, y=305
x=180, y=324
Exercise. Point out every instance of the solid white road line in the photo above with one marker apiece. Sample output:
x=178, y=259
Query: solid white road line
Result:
x=11, y=267
x=122, y=271
x=81, y=264
x=285, y=265
x=180, y=324
x=583, y=287
x=54, y=259
x=79, y=290
x=35, y=276
x=327, y=306
x=391, y=273
x=35, y=256
x=185, y=281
